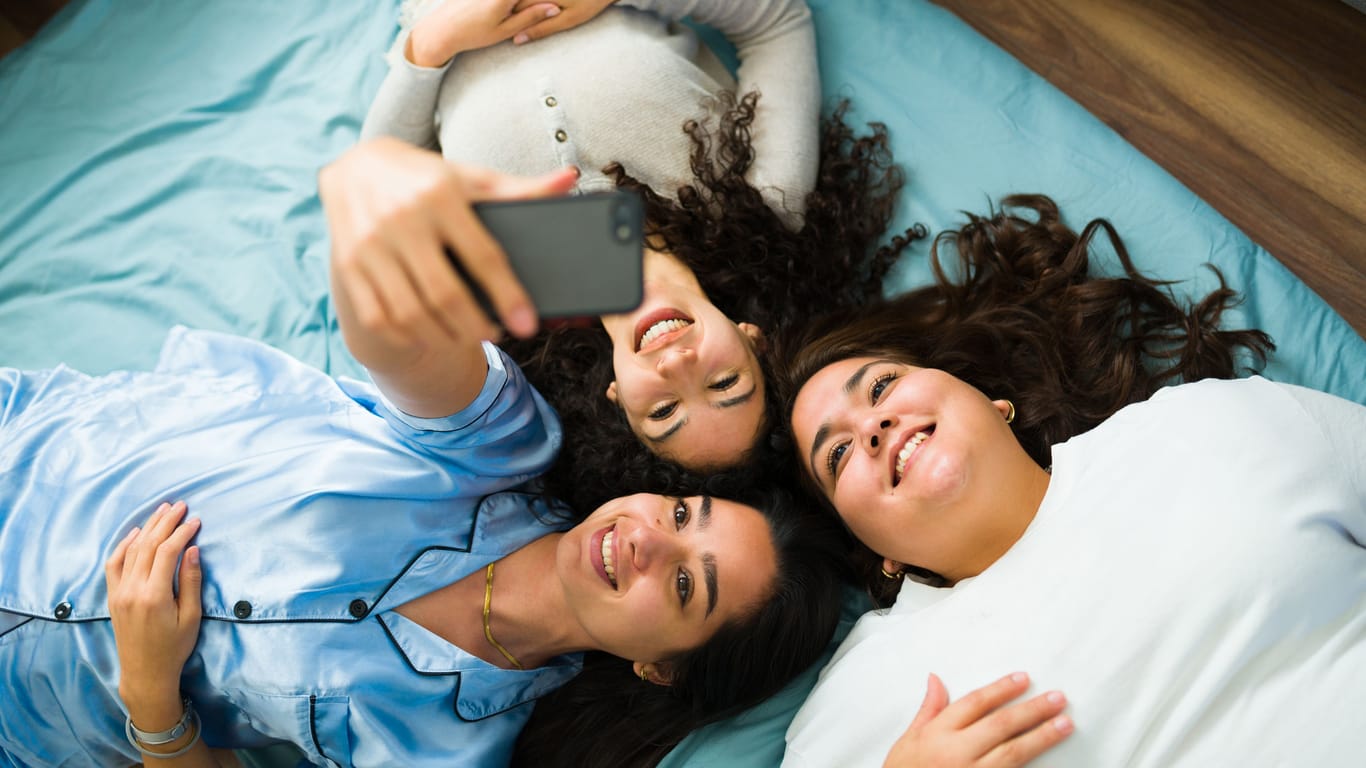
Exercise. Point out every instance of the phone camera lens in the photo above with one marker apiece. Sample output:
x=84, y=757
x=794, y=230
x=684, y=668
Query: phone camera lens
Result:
x=623, y=232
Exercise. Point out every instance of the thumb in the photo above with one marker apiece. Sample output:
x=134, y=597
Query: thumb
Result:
x=191, y=587
x=936, y=698
x=550, y=184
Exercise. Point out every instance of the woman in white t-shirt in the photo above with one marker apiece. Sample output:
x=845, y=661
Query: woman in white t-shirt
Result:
x=1187, y=565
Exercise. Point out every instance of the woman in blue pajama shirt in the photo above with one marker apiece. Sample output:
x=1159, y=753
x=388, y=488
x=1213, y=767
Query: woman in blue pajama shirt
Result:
x=334, y=588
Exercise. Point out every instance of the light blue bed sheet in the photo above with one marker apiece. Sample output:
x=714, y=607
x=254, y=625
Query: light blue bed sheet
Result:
x=158, y=164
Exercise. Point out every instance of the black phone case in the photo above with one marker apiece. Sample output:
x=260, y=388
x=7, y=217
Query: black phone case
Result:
x=577, y=256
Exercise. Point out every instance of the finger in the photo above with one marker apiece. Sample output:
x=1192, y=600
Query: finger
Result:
x=445, y=297
x=113, y=568
x=485, y=262
x=1009, y=721
x=936, y=698
x=169, y=552
x=355, y=297
x=191, y=588
x=136, y=563
x=537, y=21
x=482, y=257
x=1029, y=745
x=405, y=320
x=979, y=703
x=500, y=186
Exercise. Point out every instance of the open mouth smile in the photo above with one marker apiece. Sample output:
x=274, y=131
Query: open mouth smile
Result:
x=908, y=449
x=659, y=328
x=606, y=556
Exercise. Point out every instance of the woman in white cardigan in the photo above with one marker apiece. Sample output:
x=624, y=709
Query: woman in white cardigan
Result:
x=752, y=208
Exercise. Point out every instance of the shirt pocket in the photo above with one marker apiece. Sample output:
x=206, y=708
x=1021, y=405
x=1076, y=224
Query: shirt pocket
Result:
x=317, y=725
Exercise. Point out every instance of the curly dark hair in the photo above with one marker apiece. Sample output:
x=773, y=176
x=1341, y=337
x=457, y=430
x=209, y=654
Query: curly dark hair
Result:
x=1019, y=314
x=606, y=716
x=751, y=265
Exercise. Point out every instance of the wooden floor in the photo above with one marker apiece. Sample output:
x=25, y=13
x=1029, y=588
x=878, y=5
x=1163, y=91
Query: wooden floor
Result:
x=1259, y=106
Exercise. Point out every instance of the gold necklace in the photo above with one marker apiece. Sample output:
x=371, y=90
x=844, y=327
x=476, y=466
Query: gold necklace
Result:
x=488, y=633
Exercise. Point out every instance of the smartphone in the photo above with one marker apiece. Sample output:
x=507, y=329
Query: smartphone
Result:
x=577, y=256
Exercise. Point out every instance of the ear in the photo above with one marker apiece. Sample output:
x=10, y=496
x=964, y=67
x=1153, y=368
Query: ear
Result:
x=754, y=332
x=612, y=391
x=1007, y=410
x=658, y=674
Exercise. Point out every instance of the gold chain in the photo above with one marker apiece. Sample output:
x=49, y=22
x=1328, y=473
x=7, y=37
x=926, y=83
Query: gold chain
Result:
x=488, y=633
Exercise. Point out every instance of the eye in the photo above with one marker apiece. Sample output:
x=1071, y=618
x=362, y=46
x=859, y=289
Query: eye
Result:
x=664, y=411
x=879, y=386
x=681, y=514
x=684, y=586
x=832, y=459
x=725, y=383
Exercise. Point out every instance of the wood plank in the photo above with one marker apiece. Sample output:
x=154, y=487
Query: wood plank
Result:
x=1259, y=106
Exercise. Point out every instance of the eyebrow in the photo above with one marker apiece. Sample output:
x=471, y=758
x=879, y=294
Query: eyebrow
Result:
x=668, y=433
x=708, y=559
x=738, y=399
x=851, y=385
x=731, y=403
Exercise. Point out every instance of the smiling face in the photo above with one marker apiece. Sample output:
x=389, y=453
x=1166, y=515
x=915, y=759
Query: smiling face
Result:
x=921, y=466
x=649, y=577
x=686, y=376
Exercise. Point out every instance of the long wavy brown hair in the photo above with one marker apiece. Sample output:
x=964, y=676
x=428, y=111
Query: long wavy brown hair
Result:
x=1017, y=312
x=751, y=266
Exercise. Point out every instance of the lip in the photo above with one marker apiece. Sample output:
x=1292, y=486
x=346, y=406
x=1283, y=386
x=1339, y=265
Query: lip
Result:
x=894, y=450
x=657, y=316
x=595, y=555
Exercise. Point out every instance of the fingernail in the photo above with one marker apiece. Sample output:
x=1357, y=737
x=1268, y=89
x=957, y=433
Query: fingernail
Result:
x=554, y=10
x=132, y=533
x=520, y=38
x=1019, y=677
x=180, y=505
x=193, y=556
x=522, y=321
x=1054, y=697
x=163, y=507
x=1063, y=723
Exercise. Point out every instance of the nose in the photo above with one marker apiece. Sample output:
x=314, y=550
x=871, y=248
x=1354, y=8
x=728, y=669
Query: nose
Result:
x=676, y=359
x=875, y=428
x=651, y=545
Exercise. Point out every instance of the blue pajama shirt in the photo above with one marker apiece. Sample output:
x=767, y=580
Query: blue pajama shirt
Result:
x=323, y=509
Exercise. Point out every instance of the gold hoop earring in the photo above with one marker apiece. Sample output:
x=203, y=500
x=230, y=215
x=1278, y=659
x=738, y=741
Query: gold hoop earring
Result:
x=644, y=676
x=1010, y=415
x=892, y=575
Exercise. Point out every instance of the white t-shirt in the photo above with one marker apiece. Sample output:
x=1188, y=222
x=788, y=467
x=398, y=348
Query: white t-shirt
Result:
x=1194, y=582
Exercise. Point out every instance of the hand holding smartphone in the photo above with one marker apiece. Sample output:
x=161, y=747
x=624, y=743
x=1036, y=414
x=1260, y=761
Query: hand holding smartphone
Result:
x=577, y=256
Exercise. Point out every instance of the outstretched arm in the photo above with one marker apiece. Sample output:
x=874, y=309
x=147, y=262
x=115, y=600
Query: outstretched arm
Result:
x=155, y=630
x=980, y=729
x=394, y=211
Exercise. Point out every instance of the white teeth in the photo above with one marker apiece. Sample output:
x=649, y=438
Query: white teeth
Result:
x=907, y=450
x=659, y=329
x=607, y=564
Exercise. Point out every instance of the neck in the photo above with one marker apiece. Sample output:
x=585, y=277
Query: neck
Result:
x=1022, y=495
x=529, y=614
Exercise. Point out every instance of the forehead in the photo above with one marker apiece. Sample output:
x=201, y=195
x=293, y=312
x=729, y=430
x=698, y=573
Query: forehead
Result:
x=832, y=386
x=715, y=437
x=746, y=563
